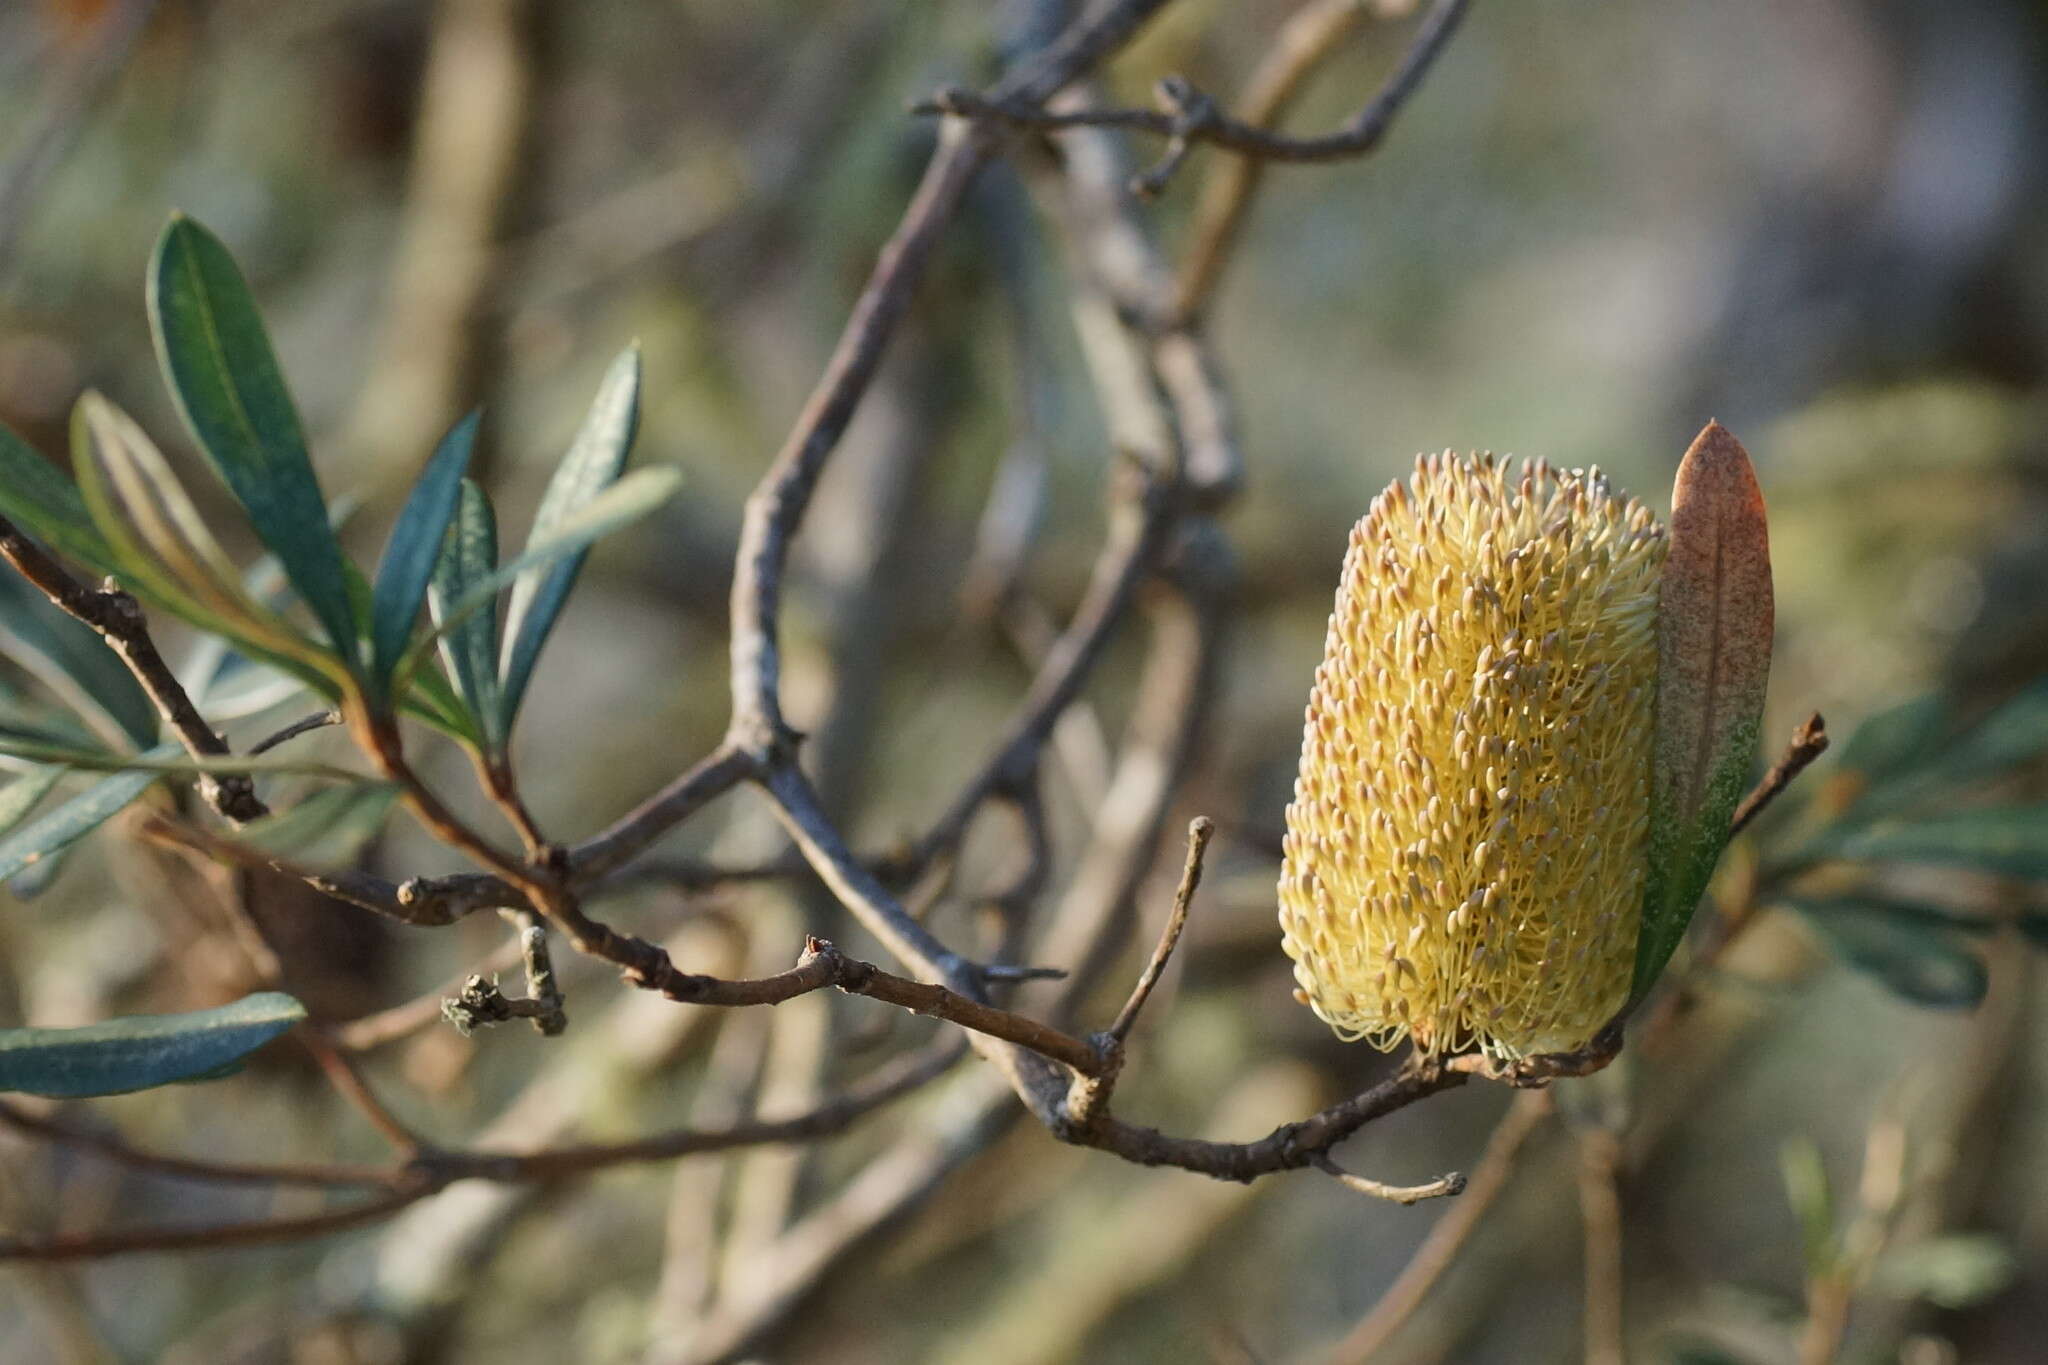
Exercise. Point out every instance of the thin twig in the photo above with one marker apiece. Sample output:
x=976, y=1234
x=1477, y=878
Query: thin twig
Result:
x=121, y=1153
x=1310, y=35
x=1199, y=834
x=1809, y=742
x=104, y=1245
x=541, y=986
x=356, y=888
x=428, y=1171
x=1192, y=117
x=118, y=619
x=319, y=720
x=1488, y=1178
x=1137, y=531
x=1439, y=1188
x=348, y=1081
x=1600, y=1211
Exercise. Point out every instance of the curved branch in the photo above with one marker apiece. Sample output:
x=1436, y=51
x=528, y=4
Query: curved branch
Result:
x=1191, y=117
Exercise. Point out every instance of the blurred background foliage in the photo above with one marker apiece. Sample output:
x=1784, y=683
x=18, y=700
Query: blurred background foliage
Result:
x=1824, y=224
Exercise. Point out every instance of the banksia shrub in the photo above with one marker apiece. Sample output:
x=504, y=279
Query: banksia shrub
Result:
x=1489, y=761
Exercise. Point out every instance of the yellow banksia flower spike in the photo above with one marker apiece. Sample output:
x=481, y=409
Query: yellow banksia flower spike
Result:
x=1467, y=853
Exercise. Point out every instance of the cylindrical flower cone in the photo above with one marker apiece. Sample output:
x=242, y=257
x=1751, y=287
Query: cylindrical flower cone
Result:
x=1468, y=853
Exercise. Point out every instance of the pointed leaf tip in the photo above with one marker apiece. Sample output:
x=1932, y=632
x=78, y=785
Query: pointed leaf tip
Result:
x=1714, y=624
x=218, y=363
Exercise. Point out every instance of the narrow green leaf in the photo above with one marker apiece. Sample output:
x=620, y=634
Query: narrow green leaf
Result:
x=328, y=828
x=73, y=820
x=2009, y=841
x=172, y=760
x=1902, y=948
x=415, y=544
x=1895, y=740
x=1812, y=1201
x=625, y=502
x=163, y=542
x=141, y=1051
x=218, y=363
x=36, y=494
x=431, y=698
x=2011, y=735
x=25, y=792
x=593, y=463
x=469, y=652
x=38, y=877
x=72, y=660
x=1714, y=621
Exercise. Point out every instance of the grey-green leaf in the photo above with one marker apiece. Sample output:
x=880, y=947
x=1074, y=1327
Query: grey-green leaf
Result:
x=593, y=463
x=34, y=880
x=415, y=545
x=470, y=651
x=36, y=494
x=2009, y=841
x=625, y=502
x=218, y=363
x=328, y=828
x=1903, y=947
x=73, y=820
x=141, y=1051
x=25, y=792
x=73, y=661
x=1896, y=739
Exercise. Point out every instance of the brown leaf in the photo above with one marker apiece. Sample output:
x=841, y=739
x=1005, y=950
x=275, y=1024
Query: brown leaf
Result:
x=1715, y=619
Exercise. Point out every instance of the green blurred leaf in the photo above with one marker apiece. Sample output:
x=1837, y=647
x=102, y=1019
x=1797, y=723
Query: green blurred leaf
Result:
x=218, y=363
x=593, y=463
x=1910, y=949
x=2011, y=735
x=1944, y=761
x=141, y=1051
x=1956, y=1271
x=36, y=494
x=73, y=661
x=25, y=792
x=75, y=819
x=2010, y=841
x=1813, y=1204
x=625, y=502
x=469, y=652
x=1897, y=739
x=415, y=545
x=328, y=828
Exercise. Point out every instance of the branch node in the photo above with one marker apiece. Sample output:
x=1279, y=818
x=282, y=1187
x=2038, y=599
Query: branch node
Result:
x=481, y=1004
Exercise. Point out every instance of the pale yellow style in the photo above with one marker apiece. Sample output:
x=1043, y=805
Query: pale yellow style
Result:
x=1465, y=852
